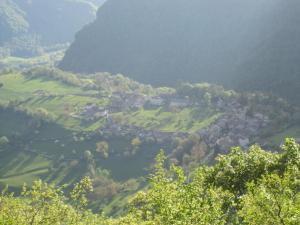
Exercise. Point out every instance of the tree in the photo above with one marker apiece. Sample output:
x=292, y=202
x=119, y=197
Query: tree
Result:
x=252, y=187
x=88, y=156
x=43, y=114
x=232, y=172
x=275, y=200
x=135, y=143
x=255, y=187
x=90, y=163
x=103, y=148
x=44, y=204
x=173, y=200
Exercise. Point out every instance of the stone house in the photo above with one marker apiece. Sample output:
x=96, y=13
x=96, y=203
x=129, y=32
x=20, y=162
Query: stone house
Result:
x=92, y=111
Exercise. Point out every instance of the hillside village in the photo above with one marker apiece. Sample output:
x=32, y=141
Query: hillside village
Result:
x=235, y=125
x=97, y=120
x=120, y=102
x=222, y=118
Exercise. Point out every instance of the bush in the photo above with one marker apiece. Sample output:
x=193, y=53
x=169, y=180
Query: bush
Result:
x=3, y=141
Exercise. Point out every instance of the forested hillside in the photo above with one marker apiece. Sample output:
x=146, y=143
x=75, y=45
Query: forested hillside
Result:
x=12, y=19
x=273, y=64
x=153, y=41
x=240, y=44
x=28, y=25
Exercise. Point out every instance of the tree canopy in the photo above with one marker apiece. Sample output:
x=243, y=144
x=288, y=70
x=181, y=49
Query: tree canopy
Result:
x=252, y=187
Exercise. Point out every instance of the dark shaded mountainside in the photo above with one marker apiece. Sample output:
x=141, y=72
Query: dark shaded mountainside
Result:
x=42, y=22
x=161, y=42
x=273, y=64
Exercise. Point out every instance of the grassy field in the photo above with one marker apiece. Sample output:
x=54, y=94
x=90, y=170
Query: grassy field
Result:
x=18, y=168
x=38, y=153
x=58, y=99
x=62, y=100
x=184, y=120
x=33, y=155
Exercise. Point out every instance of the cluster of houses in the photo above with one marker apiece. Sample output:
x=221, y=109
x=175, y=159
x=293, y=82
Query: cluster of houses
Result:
x=93, y=111
x=235, y=127
x=112, y=128
x=121, y=101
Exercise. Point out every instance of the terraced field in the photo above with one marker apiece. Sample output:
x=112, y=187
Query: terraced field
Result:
x=58, y=100
x=68, y=135
x=62, y=101
x=183, y=120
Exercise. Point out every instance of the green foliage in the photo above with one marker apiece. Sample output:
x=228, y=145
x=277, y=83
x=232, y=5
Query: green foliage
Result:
x=78, y=194
x=47, y=205
x=55, y=74
x=107, y=83
x=189, y=150
x=204, y=91
x=233, y=171
x=254, y=187
x=103, y=148
x=136, y=143
x=174, y=200
x=275, y=200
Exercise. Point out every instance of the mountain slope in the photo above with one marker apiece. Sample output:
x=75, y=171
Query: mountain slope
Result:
x=56, y=21
x=273, y=64
x=161, y=42
x=12, y=20
x=246, y=45
x=30, y=24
